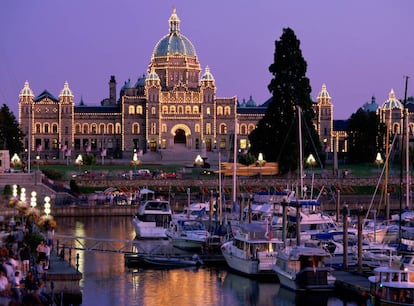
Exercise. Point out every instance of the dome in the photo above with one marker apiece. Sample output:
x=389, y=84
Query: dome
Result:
x=207, y=76
x=26, y=91
x=140, y=82
x=324, y=93
x=250, y=102
x=153, y=76
x=370, y=107
x=126, y=85
x=392, y=102
x=66, y=92
x=174, y=42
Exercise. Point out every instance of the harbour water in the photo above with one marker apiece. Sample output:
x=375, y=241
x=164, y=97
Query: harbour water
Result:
x=107, y=282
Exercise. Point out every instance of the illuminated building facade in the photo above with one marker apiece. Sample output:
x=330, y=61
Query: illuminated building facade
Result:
x=174, y=104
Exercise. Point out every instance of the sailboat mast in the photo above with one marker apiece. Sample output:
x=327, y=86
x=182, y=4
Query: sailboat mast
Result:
x=300, y=150
x=407, y=148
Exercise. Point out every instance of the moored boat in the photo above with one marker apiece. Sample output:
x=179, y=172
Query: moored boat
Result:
x=252, y=251
x=187, y=234
x=392, y=285
x=303, y=268
x=152, y=219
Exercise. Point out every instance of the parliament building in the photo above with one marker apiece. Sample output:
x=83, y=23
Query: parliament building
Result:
x=174, y=104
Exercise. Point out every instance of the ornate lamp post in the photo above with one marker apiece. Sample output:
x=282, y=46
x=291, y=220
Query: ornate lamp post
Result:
x=33, y=200
x=47, y=206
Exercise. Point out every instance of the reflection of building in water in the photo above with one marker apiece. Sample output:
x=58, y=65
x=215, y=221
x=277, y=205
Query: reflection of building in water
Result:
x=251, y=292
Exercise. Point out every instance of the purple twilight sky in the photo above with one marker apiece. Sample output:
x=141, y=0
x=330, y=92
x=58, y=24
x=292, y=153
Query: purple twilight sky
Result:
x=357, y=48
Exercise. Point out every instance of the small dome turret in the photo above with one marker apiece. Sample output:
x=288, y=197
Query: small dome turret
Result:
x=26, y=91
x=392, y=102
x=207, y=76
x=66, y=92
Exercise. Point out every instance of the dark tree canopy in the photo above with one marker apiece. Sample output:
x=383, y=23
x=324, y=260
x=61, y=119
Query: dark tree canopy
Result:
x=364, y=136
x=276, y=135
x=10, y=134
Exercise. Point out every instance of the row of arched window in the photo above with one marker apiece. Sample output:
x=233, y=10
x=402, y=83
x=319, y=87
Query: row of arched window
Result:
x=110, y=128
x=180, y=109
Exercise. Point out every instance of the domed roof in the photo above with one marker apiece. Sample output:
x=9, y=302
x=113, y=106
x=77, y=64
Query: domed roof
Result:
x=324, y=93
x=153, y=76
x=126, y=85
x=140, y=82
x=174, y=42
x=207, y=76
x=66, y=92
x=370, y=107
x=26, y=91
x=250, y=102
x=392, y=102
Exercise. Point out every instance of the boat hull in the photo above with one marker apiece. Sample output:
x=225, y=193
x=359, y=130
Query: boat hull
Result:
x=148, y=230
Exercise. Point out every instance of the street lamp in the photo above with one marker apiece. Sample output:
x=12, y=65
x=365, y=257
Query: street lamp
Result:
x=37, y=161
x=311, y=161
x=378, y=160
x=33, y=200
x=198, y=163
x=47, y=205
x=79, y=161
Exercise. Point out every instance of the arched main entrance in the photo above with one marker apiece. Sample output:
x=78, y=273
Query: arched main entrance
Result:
x=179, y=136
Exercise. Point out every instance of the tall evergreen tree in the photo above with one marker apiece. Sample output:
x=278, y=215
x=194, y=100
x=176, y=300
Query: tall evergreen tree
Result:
x=276, y=134
x=11, y=136
x=365, y=136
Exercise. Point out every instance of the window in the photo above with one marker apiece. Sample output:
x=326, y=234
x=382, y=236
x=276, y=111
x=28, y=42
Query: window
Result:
x=117, y=128
x=135, y=128
x=54, y=128
x=110, y=128
x=153, y=128
x=77, y=128
x=208, y=128
x=250, y=128
x=243, y=129
x=101, y=128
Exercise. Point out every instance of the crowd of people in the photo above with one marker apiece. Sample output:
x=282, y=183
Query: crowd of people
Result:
x=23, y=271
